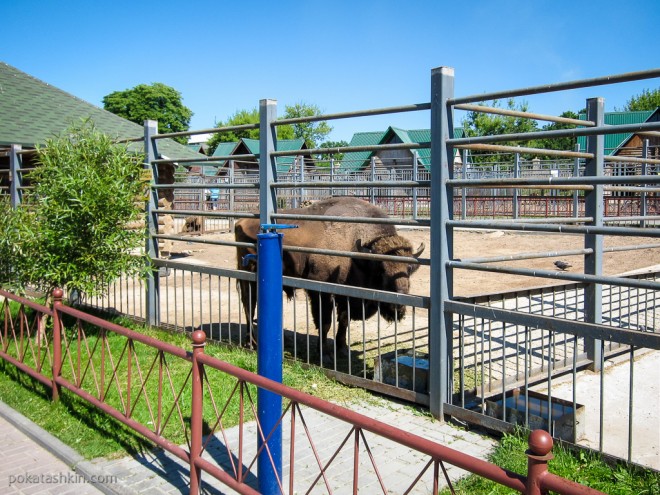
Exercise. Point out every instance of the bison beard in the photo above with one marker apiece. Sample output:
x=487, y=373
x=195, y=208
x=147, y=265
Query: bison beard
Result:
x=339, y=236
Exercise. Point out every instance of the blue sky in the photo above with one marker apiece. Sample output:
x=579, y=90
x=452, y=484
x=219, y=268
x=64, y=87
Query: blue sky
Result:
x=341, y=56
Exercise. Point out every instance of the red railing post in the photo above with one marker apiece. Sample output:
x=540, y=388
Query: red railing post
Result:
x=57, y=343
x=538, y=455
x=199, y=341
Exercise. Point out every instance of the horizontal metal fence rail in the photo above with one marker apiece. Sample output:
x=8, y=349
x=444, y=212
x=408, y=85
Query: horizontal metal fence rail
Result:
x=116, y=379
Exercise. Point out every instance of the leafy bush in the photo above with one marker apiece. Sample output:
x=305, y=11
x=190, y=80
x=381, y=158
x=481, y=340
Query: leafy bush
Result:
x=71, y=230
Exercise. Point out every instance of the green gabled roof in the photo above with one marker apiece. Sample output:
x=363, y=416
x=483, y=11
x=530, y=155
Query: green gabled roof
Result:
x=284, y=163
x=356, y=160
x=223, y=149
x=32, y=111
x=614, y=141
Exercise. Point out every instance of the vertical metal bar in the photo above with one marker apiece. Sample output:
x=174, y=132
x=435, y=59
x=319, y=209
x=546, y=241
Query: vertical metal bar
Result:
x=267, y=162
x=196, y=415
x=332, y=175
x=414, y=189
x=232, y=195
x=642, y=197
x=57, y=343
x=464, y=190
x=593, y=262
x=576, y=194
x=15, y=175
x=516, y=174
x=539, y=453
x=630, y=402
x=440, y=322
x=373, y=178
x=601, y=411
x=153, y=281
x=303, y=192
x=269, y=358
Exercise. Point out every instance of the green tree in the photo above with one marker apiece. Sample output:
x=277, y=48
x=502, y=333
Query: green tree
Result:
x=151, y=102
x=312, y=132
x=647, y=100
x=487, y=124
x=243, y=117
x=332, y=144
x=71, y=230
x=565, y=143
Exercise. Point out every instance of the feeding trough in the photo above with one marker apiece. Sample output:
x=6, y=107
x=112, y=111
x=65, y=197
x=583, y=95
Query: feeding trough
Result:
x=404, y=369
x=536, y=411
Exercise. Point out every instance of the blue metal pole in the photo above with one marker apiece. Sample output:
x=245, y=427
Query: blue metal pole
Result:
x=269, y=358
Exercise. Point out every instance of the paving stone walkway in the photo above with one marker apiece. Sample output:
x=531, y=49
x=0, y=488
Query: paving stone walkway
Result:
x=161, y=473
x=157, y=472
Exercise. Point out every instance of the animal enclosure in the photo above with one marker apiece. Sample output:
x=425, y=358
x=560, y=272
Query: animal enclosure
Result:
x=487, y=312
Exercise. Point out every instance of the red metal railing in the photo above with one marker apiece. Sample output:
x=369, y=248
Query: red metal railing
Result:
x=131, y=377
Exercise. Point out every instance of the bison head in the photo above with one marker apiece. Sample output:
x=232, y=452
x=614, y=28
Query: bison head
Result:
x=393, y=276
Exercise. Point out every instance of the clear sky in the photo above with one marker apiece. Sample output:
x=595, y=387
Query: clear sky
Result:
x=340, y=55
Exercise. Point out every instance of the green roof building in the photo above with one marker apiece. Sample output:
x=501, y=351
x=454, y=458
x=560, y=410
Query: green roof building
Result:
x=358, y=160
x=248, y=146
x=623, y=144
x=32, y=111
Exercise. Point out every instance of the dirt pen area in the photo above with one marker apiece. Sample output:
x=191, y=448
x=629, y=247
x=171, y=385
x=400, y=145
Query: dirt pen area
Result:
x=469, y=244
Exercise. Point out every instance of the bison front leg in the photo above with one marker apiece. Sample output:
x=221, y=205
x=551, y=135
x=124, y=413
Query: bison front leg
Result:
x=340, y=338
x=248, y=292
x=322, y=310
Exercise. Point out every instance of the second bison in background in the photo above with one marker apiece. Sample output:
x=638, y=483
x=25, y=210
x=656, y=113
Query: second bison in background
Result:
x=374, y=238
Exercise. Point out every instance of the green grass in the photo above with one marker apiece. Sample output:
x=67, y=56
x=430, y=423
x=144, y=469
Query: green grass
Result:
x=582, y=467
x=95, y=434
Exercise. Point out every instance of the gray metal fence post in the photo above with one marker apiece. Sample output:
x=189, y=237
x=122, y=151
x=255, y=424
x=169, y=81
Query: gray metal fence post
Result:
x=643, y=209
x=593, y=200
x=576, y=194
x=15, y=175
x=153, y=281
x=232, y=195
x=442, y=243
x=516, y=175
x=415, y=178
x=373, y=178
x=302, y=179
x=464, y=189
x=332, y=175
x=267, y=162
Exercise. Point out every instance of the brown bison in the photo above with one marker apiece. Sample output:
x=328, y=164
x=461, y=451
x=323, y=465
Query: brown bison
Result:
x=380, y=239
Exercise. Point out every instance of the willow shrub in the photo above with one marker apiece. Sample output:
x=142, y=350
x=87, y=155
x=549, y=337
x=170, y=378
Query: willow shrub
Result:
x=71, y=229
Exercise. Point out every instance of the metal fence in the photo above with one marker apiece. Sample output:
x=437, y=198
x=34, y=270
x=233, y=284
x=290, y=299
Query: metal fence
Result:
x=167, y=394
x=452, y=355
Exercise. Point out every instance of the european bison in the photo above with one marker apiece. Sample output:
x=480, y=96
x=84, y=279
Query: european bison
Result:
x=358, y=237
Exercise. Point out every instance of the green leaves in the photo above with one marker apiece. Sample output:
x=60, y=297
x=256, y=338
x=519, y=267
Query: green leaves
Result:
x=311, y=132
x=646, y=100
x=71, y=230
x=156, y=101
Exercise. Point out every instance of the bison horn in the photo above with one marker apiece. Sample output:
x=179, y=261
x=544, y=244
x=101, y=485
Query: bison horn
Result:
x=419, y=251
x=360, y=248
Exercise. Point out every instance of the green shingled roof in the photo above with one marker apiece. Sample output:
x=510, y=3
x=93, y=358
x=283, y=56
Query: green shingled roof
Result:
x=32, y=111
x=614, y=141
x=284, y=163
x=356, y=160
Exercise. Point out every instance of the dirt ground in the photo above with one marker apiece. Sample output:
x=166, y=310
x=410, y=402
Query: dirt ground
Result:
x=469, y=244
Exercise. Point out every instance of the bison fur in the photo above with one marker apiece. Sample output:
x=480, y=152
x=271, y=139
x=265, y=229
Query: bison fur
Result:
x=330, y=234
